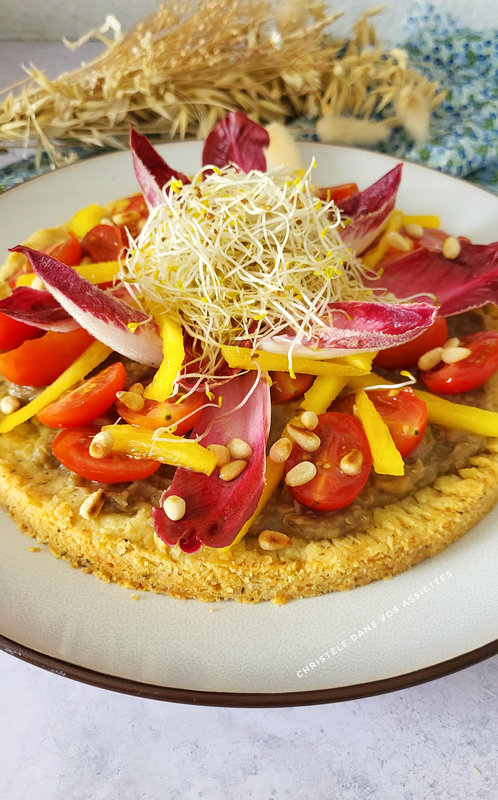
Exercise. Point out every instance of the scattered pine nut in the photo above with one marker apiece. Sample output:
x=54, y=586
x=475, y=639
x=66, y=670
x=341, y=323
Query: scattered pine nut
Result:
x=430, y=359
x=221, y=452
x=174, y=507
x=306, y=440
x=101, y=444
x=125, y=217
x=309, y=420
x=452, y=355
x=92, y=505
x=273, y=540
x=232, y=470
x=352, y=462
x=453, y=342
x=302, y=473
x=451, y=248
x=137, y=388
x=398, y=241
x=280, y=450
x=238, y=448
x=9, y=404
x=132, y=400
x=413, y=230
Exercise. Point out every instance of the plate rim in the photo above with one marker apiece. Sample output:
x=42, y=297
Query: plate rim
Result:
x=293, y=698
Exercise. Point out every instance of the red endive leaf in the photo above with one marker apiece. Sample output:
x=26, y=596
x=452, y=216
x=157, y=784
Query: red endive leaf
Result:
x=368, y=210
x=37, y=308
x=236, y=140
x=357, y=326
x=216, y=510
x=460, y=284
x=151, y=169
x=113, y=322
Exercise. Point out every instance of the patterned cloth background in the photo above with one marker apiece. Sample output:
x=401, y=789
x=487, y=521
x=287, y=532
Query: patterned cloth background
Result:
x=464, y=128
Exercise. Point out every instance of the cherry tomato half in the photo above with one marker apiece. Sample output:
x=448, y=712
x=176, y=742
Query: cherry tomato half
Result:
x=158, y=415
x=285, y=388
x=87, y=401
x=104, y=243
x=403, y=412
x=471, y=372
x=331, y=488
x=38, y=362
x=407, y=354
x=337, y=193
x=13, y=333
x=68, y=251
x=72, y=448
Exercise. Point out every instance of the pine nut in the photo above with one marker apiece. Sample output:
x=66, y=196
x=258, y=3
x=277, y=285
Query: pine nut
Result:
x=232, y=470
x=92, y=505
x=452, y=355
x=302, y=473
x=398, y=241
x=352, y=462
x=9, y=404
x=174, y=507
x=413, y=230
x=280, y=450
x=453, y=342
x=101, y=444
x=238, y=448
x=306, y=440
x=125, y=217
x=273, y=540
x=309, y=420
x=430, y=359
x=137, y=388
x=131, y=400
x=451, y=248
x=221, y=452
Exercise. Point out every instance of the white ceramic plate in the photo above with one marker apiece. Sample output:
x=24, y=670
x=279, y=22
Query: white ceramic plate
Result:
x=437, y=617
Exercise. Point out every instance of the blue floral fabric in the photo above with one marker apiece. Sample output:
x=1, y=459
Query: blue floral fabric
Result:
x=464, y=128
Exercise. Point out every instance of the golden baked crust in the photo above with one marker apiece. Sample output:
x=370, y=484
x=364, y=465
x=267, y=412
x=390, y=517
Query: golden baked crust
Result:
x=121, y=546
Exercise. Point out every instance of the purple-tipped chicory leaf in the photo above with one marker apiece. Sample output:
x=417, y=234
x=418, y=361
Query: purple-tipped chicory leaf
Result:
x=355, y=326
x=368, y=210
x=37, y=308
x=216, y=510
x=238, y=140
x=457, y=285
x=126, y=329
x=151, y=170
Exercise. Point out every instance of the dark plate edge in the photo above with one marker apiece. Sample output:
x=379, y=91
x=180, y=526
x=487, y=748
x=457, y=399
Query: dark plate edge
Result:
x=251, y=699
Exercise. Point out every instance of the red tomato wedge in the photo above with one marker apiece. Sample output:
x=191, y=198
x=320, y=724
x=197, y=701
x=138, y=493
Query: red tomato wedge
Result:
x=403, y=412
x=88, y=401
x=406, y=355
x=38, y=362
x=331, y=488
x=71, y=448
x=337, y=193
x=104, y=243
x=68, y=251
x=184, y=415
x=471, y=372
x=285, y=388
x=13, y=333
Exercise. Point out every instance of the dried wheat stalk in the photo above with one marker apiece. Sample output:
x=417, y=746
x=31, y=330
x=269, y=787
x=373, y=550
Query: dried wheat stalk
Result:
x=181, y=69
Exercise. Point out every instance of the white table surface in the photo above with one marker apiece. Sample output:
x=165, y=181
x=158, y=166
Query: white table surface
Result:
x=62, y=740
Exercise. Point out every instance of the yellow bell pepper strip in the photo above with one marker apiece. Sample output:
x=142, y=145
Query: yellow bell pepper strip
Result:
x=387, y=459
x=273, y=475
x=323, y=392
x=85, y=219
x=173, y=355
x=372, y=257
x=245, y=358
x=424, y=220
x=171, y=449
x=443, y=412
x=100, y=272
x=79, y=369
